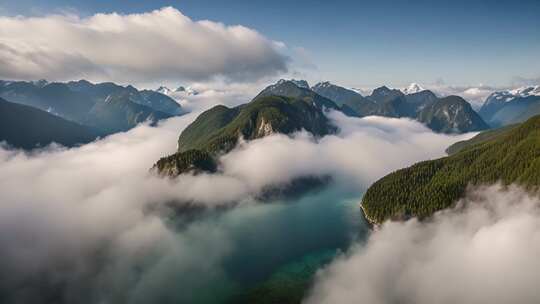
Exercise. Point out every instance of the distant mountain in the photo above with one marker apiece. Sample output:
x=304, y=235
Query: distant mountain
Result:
x=189, y=91
x=339, y=95
x=422, y=105
x=76, y=99
x=509, y=107
x=421, y=99
x=164, y=90
x=158, y=102
x=426, y=187
x=27, y=128
x=118, y=112
x=289, y=88
x=451, y=114
x=56, y=98
x=217, y=131
x=412, y=89
x=350, y=102
x=384, y=94
x=300, y=83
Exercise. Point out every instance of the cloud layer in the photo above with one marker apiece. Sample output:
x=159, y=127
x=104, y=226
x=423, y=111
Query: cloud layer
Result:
x=156, y=46
x=484, y=251
x=90, y=223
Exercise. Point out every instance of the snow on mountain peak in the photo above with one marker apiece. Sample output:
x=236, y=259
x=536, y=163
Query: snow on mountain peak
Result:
x=412, y=88
x=510, y=95
x=526, y=91
x=163, y=90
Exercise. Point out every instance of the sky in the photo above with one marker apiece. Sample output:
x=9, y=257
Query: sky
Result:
x=365, y=43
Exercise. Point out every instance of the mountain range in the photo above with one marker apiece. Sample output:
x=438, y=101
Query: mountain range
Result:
x=288, y=106
x=450, y=114
x=512, y=106
x=189, y=91
x=105, y=107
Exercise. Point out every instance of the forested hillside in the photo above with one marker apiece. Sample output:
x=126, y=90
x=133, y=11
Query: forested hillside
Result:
x=429, y=186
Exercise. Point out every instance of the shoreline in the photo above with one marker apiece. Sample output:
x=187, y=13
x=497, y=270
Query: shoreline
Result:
x=371, y=223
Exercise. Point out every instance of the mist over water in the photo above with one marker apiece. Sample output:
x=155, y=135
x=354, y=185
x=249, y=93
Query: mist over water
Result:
x=92, y=225
x=259, y=239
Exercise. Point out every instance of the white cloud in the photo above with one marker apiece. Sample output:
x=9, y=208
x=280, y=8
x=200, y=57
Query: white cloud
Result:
x=475, y=95
x=83, y=217
x=484, y=251
x=150, y=47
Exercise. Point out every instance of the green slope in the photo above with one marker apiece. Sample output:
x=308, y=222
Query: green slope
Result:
x=479, y=138
x=217, y=130
x=429, y=186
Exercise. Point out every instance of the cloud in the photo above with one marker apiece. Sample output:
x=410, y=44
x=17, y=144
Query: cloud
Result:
x=155, y=46
x=483, y=251
x=525, y=81
x=90, y=224
x=364, y=150
x=475, y=95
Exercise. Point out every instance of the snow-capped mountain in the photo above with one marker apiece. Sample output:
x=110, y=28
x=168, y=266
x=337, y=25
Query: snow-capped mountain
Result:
x=412, y=88
x=189, y=91
x=164, y=90
x=511, y=106
x=510, y=95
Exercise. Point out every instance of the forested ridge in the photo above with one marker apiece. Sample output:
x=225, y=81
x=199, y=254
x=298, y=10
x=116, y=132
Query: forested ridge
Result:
x=216, y=131
x=429, y=186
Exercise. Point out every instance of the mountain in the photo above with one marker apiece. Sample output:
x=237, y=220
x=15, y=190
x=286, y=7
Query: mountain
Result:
x=512, y=156
x=101, y=91
x=335, y=93
x=164, y=90
x=217, y=131
x=27, y=128
x=421, y=99
x=82, y=101
x=479, y=138
x=451, y=114
x=412, y=89
x=189, y=91
x=118, y=112
x=384, y=94
x=290, y=89
x=509, y=107
x=300, y=83
x=56, y=98
x=159, y=102
x=448, y=115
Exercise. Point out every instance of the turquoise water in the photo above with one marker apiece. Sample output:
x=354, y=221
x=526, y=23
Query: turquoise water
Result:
x=274, y=248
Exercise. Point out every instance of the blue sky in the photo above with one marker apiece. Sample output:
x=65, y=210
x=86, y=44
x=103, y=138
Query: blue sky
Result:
x=366, y=42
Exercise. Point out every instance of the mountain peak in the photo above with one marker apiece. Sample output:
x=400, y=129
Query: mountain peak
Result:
x=299, y=83
x=40, y=83
x=510, y=95
x=412, y=88
x=323, y=84
x=164, y=90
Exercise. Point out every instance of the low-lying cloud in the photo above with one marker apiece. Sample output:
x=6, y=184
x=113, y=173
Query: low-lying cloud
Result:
x=161, y=45
x=79, y=225
x=483, y=251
